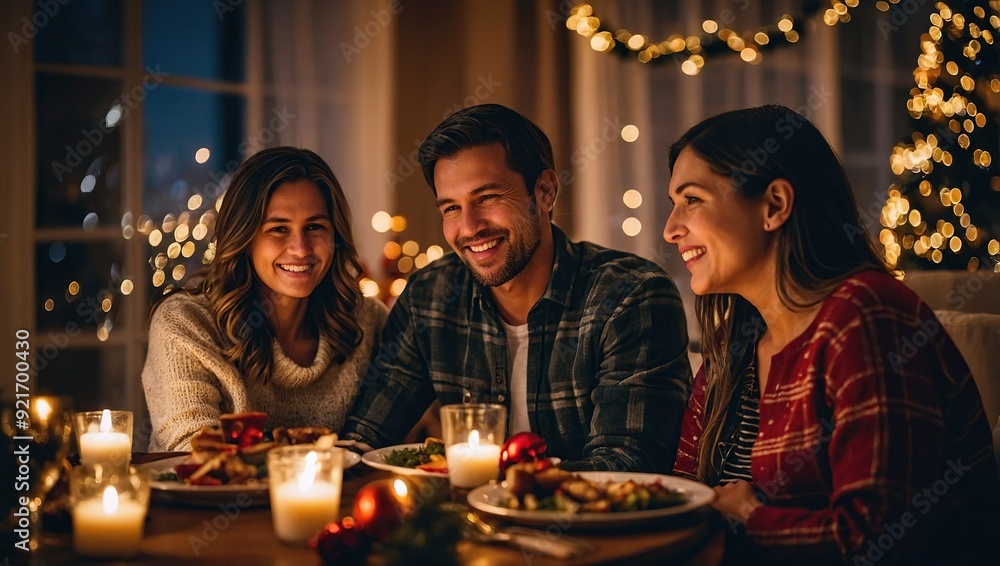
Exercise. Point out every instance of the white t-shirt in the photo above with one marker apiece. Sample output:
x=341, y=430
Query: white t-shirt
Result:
x=517, y=362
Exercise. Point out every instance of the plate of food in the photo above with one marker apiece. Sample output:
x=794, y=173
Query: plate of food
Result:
x=426, y=459
x=168, y=486
x=553, y=496
x=227, y=464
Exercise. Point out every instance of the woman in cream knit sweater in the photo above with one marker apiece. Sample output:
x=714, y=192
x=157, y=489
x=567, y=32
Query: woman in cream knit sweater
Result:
x=278, y=323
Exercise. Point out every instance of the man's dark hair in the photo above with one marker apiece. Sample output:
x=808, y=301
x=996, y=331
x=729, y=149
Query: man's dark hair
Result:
x=526, y=145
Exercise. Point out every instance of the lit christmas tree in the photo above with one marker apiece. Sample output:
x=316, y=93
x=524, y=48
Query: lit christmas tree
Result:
x=943, y=209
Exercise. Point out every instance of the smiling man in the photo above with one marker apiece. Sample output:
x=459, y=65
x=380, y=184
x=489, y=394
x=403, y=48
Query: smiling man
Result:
x=584, y=345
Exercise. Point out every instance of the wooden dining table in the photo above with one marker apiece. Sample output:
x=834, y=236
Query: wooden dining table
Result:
x=243, y=535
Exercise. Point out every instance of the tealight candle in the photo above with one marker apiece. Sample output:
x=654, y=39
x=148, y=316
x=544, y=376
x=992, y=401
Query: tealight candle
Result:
x=105, y=437
x=472, y=438
x=305, y=490
x=108, y=509
x=471, y=464
x=109, y=526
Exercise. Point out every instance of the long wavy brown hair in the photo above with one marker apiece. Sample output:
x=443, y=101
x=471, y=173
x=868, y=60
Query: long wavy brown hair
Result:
x=822, y=243
x=232, y=286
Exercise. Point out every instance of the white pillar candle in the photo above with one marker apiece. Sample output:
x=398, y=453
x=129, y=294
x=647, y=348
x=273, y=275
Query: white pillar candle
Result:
x=105, y=446
x=301, y=508
x=107, y=525
x=471, y=464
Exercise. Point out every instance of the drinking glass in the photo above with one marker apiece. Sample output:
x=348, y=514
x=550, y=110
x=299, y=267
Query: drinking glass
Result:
x=473, y=435
x=104, y=437
x=109, y=507
x=305, y=490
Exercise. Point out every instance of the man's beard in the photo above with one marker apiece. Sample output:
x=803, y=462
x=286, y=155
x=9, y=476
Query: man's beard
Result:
x=519, y=253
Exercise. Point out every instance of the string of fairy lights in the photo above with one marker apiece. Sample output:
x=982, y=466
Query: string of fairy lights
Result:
x=692, y=50
x=959, y=120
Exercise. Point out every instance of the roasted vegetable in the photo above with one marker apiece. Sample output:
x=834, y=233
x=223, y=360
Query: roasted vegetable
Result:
x=553, y=489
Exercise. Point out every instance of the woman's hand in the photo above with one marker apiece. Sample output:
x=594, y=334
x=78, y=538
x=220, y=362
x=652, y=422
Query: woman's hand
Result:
x=737, y=500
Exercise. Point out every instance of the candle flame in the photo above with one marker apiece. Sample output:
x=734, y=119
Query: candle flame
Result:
x=43, y=409
x=399, y=486
x=110, y=500
x=474, y=439
x=106, y=421
x=309, y=473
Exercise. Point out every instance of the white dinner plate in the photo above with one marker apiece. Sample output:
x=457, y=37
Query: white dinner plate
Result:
x=489, y=498
x=376, y=459
x=213, y=495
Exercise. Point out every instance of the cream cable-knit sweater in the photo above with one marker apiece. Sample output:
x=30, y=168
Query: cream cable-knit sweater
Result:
x=188, y=382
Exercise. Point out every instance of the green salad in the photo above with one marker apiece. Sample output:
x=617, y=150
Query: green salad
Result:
x=413, y=457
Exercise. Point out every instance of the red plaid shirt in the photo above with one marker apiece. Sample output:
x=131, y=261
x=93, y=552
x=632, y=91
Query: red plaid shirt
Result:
x=873, y=442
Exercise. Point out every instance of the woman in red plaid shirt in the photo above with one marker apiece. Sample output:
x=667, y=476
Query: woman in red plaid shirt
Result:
x=833, y=413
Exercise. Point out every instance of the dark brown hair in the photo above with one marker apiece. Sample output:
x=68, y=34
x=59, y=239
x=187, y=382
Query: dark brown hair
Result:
x=528, y=149
x=822, y=243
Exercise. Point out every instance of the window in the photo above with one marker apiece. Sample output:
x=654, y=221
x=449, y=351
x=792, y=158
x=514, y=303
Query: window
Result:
x=140, y=109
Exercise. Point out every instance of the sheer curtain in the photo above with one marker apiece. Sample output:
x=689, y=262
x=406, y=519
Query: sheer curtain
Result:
x=328, y=71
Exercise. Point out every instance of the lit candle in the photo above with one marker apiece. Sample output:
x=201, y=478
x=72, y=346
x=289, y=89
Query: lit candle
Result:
x=105, y=446
x=301, y=507
x=108, y=525
x=471, y=464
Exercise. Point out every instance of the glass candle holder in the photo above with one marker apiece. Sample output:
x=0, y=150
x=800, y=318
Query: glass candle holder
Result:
x=109, y=506
x=473, y=435
x=305, y=484
x=105, y=437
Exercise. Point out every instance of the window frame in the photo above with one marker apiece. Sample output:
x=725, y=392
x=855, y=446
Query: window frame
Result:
x=19, y=219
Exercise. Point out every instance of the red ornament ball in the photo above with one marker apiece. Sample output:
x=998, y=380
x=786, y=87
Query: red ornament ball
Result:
x=522, y=447
x=345, y=543
x=382, y=506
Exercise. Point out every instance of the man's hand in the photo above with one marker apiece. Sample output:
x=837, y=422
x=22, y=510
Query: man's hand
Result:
x=737, y=500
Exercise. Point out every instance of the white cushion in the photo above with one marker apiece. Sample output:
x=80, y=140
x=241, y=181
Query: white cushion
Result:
x=957, y=290
x=977, y=336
